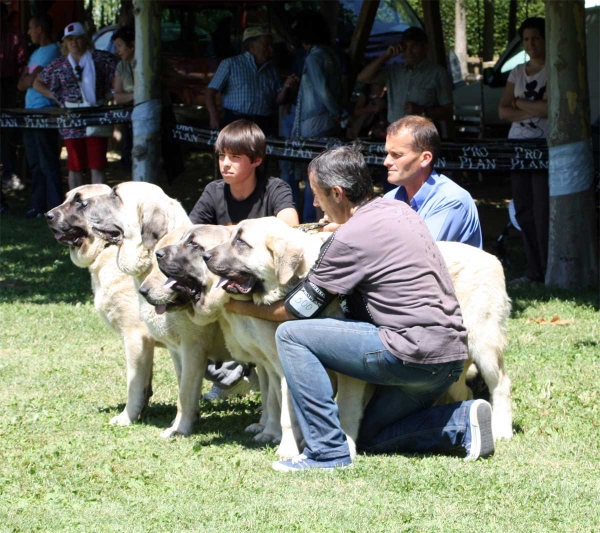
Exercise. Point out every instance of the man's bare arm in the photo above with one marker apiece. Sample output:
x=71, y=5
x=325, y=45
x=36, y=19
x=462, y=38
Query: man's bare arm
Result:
x=275, y=312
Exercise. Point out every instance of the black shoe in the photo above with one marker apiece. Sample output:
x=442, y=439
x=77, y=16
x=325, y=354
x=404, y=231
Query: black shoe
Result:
x=34, y=213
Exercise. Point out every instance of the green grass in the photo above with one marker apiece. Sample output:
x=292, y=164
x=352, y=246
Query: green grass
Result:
x=63, y=468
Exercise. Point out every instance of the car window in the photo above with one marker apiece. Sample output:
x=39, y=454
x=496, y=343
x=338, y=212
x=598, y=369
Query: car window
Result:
x=104, y=42
x=518, y=58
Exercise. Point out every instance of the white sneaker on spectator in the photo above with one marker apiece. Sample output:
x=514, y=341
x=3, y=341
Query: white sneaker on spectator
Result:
x=241, y=388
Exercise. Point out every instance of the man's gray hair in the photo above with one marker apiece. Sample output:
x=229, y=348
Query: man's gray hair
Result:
x=345, y=167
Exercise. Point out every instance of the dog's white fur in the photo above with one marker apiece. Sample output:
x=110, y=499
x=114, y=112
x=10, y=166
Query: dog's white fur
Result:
x=281, y=256
x=115, y=299
x=145, y=214
x=248, y=340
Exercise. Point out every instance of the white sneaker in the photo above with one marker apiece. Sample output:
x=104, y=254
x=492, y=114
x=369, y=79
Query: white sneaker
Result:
x=480, y=428
x=241, y=388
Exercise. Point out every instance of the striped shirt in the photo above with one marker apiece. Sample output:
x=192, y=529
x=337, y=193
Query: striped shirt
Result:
x=426, y=84
x=247, y=89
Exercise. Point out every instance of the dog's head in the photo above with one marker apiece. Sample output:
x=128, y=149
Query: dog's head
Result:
x=182, y=263
x=71, y=228
x=264, y=257
x=134, y=216
x=155, y=288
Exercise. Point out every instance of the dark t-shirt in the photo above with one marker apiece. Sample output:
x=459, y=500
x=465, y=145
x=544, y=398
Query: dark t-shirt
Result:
x=391, y=273
x=217, y=206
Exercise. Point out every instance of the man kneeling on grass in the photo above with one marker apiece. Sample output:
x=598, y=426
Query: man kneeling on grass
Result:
x=403, y=329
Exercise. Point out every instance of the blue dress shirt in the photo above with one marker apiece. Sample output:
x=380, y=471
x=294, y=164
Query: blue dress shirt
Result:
x=447, y=209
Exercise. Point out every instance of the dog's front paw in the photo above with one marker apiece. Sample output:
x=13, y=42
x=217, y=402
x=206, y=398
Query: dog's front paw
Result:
x=287, y=450
x=121, y=420
x=174, y=432
x=265, y=436
x=351, y=446
x=254, y=428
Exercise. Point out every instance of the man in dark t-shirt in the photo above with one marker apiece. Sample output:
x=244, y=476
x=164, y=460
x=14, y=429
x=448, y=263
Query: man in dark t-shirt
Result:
x=403, y=330
x=239, y=195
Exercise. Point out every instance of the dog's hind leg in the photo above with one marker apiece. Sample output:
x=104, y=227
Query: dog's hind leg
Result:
x=263, y=381
x=272, y=429
x=139, y=355
x=498, y=384
x=290, y=432
x=351, y=400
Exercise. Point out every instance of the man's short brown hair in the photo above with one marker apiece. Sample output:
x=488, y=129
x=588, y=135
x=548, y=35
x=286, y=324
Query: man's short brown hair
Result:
x=425, y=136
x=242, y=137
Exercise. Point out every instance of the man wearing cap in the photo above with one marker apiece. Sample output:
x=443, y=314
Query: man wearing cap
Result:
x=415, y=87
x=249, y=84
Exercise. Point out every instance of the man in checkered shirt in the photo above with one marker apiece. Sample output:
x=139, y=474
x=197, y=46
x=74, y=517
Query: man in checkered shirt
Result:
x=249, y=84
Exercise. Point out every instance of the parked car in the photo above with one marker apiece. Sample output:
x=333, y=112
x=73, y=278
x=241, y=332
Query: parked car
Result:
x=495, y=78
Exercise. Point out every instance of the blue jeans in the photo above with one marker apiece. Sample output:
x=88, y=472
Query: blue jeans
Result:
x=43, y=156
x=399, y=417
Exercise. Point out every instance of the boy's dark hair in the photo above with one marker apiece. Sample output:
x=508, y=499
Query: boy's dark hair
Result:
x=44, y=22
x=533, y=23
x=126, y=34
x=425, y=136
x=242, y=137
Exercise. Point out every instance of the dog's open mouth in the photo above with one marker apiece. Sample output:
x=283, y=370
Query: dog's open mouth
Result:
x=113, y=236
x=186, y=287
x=238, y=285
x=73, y=237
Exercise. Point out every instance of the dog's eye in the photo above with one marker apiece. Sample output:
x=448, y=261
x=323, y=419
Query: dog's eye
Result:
x=240, y=242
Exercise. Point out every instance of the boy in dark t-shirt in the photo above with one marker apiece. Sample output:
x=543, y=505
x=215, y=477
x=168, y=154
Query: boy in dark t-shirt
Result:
x=241, y=194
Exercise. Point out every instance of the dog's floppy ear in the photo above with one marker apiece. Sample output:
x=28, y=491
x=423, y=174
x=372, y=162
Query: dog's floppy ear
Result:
x=154, y=224
x=286, y=256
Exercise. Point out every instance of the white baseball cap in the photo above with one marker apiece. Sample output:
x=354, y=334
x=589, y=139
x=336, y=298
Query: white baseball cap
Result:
x=75, y=28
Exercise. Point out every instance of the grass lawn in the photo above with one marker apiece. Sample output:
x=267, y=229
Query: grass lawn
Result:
x=63, y=468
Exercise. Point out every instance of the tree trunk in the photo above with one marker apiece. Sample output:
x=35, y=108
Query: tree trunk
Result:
x=460, y=35
x=488, y=30
x=573, y=237
x=146, y=94
x=512, y=20
x=358, y=42
x=437, y=52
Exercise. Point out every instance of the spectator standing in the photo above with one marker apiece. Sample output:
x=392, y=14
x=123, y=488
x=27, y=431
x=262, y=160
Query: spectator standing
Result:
x=13, y=58
x=82, y=78
x=415, y=87
x=123, y=84
x=524, y=103
x=319, y=106
x=249, y=84
x=41, y=145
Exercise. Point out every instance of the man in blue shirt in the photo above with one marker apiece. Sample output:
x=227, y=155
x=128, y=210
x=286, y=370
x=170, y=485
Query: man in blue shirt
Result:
x=249, y=84
x=41, y=145
x=412, y=147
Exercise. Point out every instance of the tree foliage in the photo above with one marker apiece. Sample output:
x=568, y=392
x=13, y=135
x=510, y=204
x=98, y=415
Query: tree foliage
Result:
x=525, y=8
